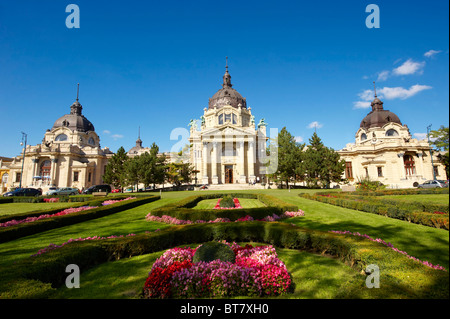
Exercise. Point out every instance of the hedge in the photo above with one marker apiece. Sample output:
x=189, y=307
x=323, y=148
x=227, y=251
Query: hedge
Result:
x=26, y=229
x=183, y=209
x=401, y=277
x=389, y=208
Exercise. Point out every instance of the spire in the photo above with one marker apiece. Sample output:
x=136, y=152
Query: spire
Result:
x=377, y=104
x=227, y=76
x=76, y=107
x=139, y=141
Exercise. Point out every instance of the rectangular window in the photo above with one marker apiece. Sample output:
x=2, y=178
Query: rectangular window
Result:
x=348, y=170
x=227, y=117
x=75, y=176
x=18, y=175
x=436, y=170
x=367, y=171
x=89, y=176
x=221, y=119
x=380, y=171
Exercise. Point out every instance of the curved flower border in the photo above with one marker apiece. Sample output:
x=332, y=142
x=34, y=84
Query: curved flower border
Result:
x=387, y=244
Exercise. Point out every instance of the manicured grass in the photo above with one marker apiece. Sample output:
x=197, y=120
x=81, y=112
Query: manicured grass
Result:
x=426, y=198
x=17, y=208
x=245, y=203
x=315, y=276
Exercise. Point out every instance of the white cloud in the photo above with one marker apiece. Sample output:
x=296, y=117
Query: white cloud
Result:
x=409, y=67
x=298, y=139
x=420, y=136
x=361, y=105
x=431, y=53
x=366, y=95
x=383, y=75
x=315, y=124
x=116, y=136
x=402, y=93
x=106, y=132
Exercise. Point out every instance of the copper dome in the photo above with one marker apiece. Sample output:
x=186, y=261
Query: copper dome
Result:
x=75, y=120
x=379, y=116
x=227, y=95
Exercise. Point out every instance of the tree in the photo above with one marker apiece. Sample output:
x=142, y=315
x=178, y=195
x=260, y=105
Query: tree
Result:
x=152, y=167
x=322, y=165
x=179, y=173
x=133, y=171
x=115, y=169
x=289, y=157
x=441, y=143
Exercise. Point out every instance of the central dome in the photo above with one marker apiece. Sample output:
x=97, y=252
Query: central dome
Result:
x=227, y=95
x=75, y=120
x=379, y=116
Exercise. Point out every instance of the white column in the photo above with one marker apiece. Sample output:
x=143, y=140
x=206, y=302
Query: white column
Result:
x=241, y=164
x=251, y=160
x=215, y=178
x=205, y=163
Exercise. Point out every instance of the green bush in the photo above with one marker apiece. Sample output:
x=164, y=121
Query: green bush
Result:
x=227, y=202
x=214, y=250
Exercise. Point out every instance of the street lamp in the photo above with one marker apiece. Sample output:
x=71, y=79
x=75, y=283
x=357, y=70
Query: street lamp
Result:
x=24, y=144
x=431, y=154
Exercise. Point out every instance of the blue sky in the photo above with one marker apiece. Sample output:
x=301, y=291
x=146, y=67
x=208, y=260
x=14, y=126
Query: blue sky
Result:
x=155, y=64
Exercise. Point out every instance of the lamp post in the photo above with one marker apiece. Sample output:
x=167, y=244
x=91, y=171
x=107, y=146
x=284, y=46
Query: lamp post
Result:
x=24, y=143
x=431, y=154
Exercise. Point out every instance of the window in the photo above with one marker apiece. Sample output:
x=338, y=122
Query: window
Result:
x=410, y=168
x=367, y=171
x=61, y=138
x=380, y=171
x=348, y=170
x=221, y=119
x=391, y=132
x=436, y=170
x=46, y=167
x=363, y=137
x=91, y=141
x=75, y=176
x=89, y=176
x=234, y=119
x=227, y=118
x=18, y=176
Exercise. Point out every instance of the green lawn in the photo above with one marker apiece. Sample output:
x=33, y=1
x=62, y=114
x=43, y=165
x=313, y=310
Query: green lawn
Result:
x=317, y=276
x=17, y=208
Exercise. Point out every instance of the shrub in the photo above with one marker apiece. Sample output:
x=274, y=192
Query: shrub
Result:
x=227, y=201
x=214, y=250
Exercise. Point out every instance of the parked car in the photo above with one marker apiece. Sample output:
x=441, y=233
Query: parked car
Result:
x=63, y=191
x=116, y=190
x=204, y=186
x=24, y=192
x=97, y=188
x=434, y=184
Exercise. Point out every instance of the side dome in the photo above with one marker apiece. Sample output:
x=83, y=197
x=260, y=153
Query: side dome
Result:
x=227, y=95
x=75, y=120
x=379, y=116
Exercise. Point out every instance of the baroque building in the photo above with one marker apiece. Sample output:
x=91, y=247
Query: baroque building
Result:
x=385, y=151
x=229, y=147
x=69, y=156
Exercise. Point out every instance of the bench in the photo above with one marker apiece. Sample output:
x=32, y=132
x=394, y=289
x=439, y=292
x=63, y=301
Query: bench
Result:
x=100, y=193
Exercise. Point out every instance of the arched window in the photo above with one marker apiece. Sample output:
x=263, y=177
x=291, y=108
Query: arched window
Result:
x=363, y=137
x=234, y=119
x=391, y=132
x=410, y=168
x=221, y=119
x=61, y=138
x=91, y=141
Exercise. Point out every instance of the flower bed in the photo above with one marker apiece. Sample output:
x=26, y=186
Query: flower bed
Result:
x=113, y=201
x=32, y=219
x=174, y=221
x=379, y=240
x=257, y=271
x=237, y=205
x=51, y=200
